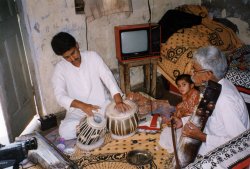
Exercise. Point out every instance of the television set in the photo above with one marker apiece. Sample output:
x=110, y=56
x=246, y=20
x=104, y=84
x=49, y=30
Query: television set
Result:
x=135, y=42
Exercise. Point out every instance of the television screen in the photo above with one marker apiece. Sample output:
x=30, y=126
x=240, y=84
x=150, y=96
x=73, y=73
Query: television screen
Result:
x=134, y=41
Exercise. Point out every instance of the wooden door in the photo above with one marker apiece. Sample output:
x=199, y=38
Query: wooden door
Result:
x=16, y=94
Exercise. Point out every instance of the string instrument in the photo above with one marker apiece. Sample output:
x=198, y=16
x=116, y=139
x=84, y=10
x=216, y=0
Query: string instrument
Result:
x=187, y=148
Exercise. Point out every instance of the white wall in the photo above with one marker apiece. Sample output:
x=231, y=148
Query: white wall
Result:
x=44, y=19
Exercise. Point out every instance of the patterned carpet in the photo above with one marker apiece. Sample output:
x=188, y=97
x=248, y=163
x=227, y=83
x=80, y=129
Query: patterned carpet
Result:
x=114, y=152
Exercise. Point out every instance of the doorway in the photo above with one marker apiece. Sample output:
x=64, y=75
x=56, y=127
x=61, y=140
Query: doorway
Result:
x=17, y=103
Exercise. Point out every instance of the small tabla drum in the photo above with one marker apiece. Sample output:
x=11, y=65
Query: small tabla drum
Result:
x=91, y=131
x=122, y=124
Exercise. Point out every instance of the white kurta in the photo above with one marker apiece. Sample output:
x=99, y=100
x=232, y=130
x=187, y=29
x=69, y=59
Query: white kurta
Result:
x=166, y=140
x=84, y=83
x=229, y=118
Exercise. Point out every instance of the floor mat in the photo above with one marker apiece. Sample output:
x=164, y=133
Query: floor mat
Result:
x=114, y=152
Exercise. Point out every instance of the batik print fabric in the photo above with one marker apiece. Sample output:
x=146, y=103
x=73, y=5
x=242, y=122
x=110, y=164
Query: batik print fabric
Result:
x=189, y=101
x=233, y=155
x=178, y=50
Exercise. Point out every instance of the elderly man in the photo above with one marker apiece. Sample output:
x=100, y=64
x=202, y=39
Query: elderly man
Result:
x=230, y=116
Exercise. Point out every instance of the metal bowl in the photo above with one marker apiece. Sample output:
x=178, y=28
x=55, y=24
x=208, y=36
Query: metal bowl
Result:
x=139, y=157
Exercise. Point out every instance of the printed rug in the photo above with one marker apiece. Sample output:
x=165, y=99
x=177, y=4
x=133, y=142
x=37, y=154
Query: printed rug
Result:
x=113, y=153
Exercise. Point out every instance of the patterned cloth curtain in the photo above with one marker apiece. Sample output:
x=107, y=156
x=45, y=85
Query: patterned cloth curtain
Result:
x=98, y=8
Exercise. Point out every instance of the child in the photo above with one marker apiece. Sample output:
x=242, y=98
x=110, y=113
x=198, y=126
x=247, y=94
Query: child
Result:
x=190, y=98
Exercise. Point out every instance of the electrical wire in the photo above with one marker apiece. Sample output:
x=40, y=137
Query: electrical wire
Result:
x=87, y=45
x=149, y=9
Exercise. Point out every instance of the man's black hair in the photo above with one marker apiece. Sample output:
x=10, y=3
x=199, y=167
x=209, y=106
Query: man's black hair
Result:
x=185, y=77
x=62, y=42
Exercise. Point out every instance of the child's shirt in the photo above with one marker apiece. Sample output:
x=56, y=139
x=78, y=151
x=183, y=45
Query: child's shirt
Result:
x=189, y=101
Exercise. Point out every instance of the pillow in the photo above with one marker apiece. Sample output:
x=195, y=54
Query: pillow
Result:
x=239, y=68
x=194, y=9
x=227, y=23
x=234, y=154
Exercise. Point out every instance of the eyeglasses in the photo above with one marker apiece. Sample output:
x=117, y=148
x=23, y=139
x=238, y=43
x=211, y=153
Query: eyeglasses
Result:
x=193, y=71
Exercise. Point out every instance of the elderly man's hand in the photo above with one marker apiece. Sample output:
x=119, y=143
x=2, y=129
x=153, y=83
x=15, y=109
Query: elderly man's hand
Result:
x=192, y=131
x=177, y=123
x=122, y=107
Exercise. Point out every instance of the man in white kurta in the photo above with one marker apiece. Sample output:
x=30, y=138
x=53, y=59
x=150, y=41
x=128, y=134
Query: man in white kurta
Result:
x=84, y=83
x=79, y=83
x=228, y=120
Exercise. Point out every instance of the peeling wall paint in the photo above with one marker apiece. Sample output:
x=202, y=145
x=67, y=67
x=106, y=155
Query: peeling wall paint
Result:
x=45, y=19
x=236, y=11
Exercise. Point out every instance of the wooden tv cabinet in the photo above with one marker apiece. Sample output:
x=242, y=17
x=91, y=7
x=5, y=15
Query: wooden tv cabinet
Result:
x=150, y=73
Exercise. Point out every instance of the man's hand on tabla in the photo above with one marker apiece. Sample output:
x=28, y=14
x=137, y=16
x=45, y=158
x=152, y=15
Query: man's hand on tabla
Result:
x=122, y=107
x=90, y=109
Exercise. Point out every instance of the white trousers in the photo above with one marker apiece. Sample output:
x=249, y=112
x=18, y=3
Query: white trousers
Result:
x=67, y=128
x=166, y=136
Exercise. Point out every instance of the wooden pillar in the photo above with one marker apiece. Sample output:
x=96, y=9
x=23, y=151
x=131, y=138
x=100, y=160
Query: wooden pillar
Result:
x=121, y=73
x=127, y=78
x=147, y=78
x=154, y=77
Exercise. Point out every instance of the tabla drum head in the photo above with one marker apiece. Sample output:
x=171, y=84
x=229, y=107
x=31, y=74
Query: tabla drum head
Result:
x=97, y=120
x=113, y=113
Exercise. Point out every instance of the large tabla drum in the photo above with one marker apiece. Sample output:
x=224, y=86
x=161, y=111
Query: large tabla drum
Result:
x=91, y=131
x=122, y=124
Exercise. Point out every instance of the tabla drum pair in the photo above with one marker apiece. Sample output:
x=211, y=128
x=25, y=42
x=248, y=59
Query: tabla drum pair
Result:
x=91, y=131
x=122, y=124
